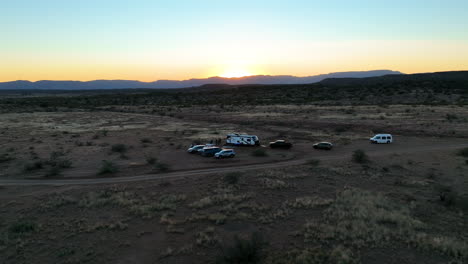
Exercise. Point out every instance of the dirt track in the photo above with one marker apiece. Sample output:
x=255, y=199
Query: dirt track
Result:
x=406, y=146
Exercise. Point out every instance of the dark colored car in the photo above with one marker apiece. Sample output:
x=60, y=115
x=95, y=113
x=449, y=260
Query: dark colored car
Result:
x=210, y=151
x=280, y=144
x=323, y=145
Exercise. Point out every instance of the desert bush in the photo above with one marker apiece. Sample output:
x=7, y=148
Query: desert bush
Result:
x=6, y=158
x=231, y=178
x=59, y=163
x=243, y=251
x=146, y=140
x=107, y=167
x=313, y=162
x=151, y=160
x=37, y=165
x=450, y=197
x=359, y=156
x=162, y=167
x=53, y=172
x=207, y=238
x=276, y=184
x=259, y=153
x=120, y=148
x=463, y=152
x=308, y=202
x=219, y=199
x=317, y=255
x=22, y=227
x=56, y=154
x=64, y=163
x=451, y=117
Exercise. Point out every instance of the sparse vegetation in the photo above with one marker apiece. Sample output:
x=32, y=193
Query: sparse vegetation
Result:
x=32, y=166
x=243, y=251
x=107, y=167
x=359, y=156
x=151, y=160
x=23, y=227
x=232, y=178
x=120, y=148
x=260, y=152
x=162, y=167
x=311, y=211
x=463, y=152
x=146, y=140
x=6, y=158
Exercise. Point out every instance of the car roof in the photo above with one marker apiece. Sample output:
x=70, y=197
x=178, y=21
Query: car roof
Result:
x=324, y=142
x=198, y=146
x=280, y=140
x=228, y=150
x=383, y=135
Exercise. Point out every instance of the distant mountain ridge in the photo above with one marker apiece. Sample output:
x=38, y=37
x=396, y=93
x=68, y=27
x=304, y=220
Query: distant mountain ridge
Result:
x=170, y=84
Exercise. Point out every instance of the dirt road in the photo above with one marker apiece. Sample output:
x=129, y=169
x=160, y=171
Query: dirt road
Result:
x=403, y=147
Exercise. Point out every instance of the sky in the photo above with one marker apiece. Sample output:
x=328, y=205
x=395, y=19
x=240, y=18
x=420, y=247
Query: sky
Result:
x=150, y=40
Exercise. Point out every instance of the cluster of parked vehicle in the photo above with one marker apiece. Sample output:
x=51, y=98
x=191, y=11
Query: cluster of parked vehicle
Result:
x=210, y=150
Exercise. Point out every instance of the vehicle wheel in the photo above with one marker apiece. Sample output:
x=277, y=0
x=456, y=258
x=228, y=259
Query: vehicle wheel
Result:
x=231, y=156
x=388, y=142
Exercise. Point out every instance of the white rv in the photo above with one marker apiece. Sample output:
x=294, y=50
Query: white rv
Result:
x=242, y=139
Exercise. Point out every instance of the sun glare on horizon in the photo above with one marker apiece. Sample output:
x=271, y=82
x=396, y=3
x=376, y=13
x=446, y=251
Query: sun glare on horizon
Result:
x=235, y=73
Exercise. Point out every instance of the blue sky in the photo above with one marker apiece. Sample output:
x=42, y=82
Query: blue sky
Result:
x=169, y=39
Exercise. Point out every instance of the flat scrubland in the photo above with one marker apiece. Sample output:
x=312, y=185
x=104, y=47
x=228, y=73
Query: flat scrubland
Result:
x=405, y=202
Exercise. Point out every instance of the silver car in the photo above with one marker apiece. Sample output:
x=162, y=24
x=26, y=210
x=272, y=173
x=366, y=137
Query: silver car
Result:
x=195, y=149
x=225, y=153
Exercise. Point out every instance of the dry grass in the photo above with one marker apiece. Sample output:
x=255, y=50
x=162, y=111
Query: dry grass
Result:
x=360, y=219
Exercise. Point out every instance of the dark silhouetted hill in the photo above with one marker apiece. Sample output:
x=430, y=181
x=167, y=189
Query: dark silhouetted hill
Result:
x=168, y=84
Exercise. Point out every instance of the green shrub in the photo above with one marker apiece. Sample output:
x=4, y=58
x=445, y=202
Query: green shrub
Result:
x=120, y=148
x=259, y=153
x=359, y=156
x=463, y=152
x=243, y=251
x=23, y=227
x=107, y=167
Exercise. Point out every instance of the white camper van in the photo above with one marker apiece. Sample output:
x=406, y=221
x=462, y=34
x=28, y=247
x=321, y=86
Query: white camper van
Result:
x=242, y=139
x=381, y=139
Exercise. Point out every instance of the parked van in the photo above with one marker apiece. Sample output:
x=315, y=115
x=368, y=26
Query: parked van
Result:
x=381, y=139
x=242, y=139
x=210, y=151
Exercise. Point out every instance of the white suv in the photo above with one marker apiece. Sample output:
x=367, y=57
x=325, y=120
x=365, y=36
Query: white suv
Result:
x=225, y=153
x=381, y=139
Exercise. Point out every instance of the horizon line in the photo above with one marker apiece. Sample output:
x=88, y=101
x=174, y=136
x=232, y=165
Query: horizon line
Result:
x=217, y=76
